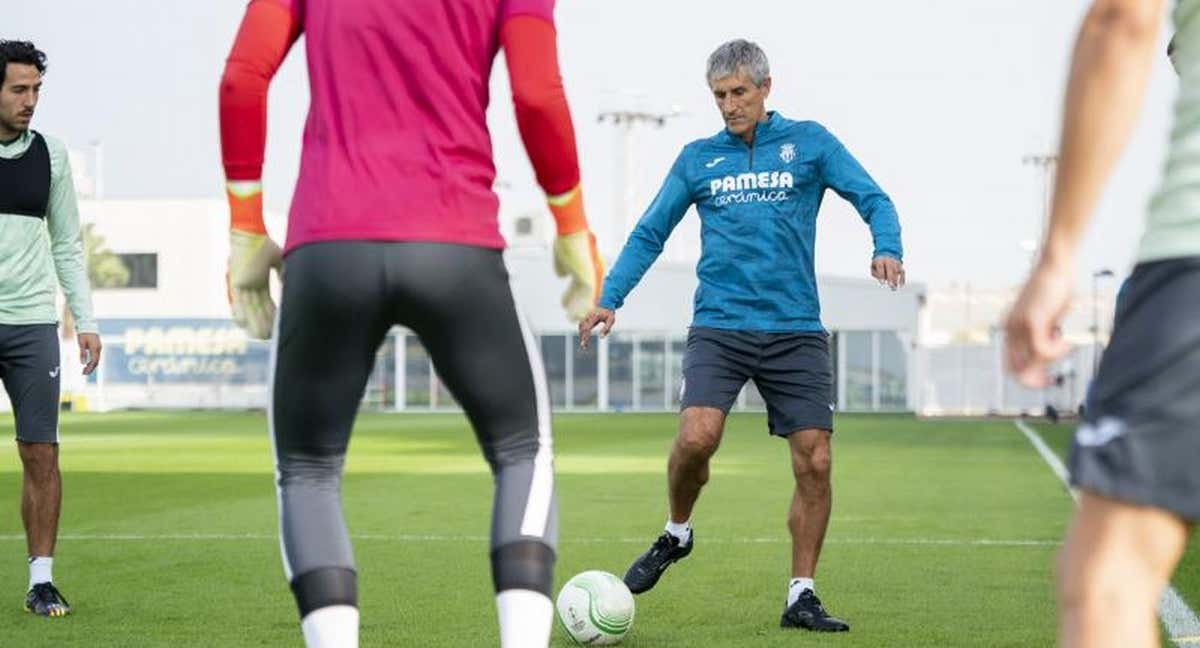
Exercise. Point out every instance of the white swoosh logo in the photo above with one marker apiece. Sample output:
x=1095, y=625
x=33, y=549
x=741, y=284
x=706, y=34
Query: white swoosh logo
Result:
x=714, y=163
x=1100, y=433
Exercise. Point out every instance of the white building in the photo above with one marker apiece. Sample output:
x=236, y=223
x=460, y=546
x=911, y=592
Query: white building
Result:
x=169, y=342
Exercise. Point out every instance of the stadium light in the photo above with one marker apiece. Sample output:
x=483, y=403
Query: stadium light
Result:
x=626, y=120
x=1045, y=163
x=1096, y=277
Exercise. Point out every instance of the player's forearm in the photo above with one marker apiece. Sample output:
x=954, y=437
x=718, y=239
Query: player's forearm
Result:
x=543, y=116
x=647, y=239
x=635, y=259
x=1109, y=72
x=850, y=180
x=266, y=33
x=67, y=251
x=72, y=276
x=641, y=250
x=885, y=230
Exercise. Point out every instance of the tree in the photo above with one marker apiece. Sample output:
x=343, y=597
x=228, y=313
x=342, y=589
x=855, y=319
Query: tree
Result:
x=105, y=269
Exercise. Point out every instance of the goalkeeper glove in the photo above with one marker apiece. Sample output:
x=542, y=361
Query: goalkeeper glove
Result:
x=252, y=254
x=576, y=255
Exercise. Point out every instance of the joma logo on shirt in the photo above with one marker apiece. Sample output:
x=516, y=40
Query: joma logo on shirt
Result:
x=744, y=181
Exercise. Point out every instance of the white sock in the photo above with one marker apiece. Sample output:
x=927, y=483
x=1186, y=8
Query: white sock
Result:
x=39, y=570
x=681, y=530
x=334, y=626
x=525, y=618
x=796, y=587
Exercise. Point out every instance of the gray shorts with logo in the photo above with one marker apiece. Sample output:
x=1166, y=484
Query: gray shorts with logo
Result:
x=1140, y=439
x=792, y=371
x=29, y=370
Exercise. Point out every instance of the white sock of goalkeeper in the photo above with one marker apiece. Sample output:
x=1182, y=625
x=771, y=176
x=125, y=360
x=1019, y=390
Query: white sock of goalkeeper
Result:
x=335, y=626
x=40, y=568
x=525, y=618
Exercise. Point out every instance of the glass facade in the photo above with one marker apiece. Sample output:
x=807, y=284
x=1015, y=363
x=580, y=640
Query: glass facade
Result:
x=620, y=374
x=857, y=345
x=643, y=371
x=893, y=372
x=554, y=359
x=585, y=374
x=652, y=374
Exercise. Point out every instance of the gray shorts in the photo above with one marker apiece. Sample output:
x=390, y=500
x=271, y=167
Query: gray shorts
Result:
x=1140, y=438
x=29, y=370
x=793, y=373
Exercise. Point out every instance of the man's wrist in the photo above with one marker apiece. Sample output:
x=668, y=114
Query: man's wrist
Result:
x=1057, y=254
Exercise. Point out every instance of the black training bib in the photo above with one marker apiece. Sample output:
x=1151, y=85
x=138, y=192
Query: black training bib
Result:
x=25, y=181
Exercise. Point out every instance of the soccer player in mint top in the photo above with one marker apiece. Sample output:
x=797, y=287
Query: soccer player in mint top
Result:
x=757, y=185
x=39, y=241
x=394, y=221
x=1133, y=458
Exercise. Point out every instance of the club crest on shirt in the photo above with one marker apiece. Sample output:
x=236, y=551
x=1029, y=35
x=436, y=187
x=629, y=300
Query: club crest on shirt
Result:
x=787, y=152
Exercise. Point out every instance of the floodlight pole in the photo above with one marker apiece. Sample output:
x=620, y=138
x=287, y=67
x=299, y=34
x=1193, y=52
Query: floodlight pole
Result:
x=625, y=120
x=98, y=159
x=1096, y=276
x=1046, y=164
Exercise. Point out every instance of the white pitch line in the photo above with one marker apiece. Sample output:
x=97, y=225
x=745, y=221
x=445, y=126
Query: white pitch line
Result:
x=1183, y=626
x=201, y=537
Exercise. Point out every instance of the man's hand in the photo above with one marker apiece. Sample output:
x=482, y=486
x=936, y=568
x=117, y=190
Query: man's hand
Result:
x=597, y=316
x=576, y=257
x=89, y=352
x=251, y=257
x=888, y=271
x=1033, y=339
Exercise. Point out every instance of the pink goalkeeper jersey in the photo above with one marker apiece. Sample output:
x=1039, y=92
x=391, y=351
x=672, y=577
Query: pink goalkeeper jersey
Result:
x=396, y=146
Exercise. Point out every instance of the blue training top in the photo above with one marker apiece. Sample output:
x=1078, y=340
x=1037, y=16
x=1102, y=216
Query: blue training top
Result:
x=758, y=211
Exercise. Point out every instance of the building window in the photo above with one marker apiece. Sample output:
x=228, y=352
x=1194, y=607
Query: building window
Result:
x=417, y=373
x=651, y=375
x=620, y=373
x=893, y=372
x=143, y=269
x=585, y=391
x=859, y=391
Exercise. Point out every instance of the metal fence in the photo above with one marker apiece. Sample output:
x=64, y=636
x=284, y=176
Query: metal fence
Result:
x=211, y=365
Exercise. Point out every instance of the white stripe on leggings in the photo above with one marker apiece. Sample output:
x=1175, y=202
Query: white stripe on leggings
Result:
x=541, y=487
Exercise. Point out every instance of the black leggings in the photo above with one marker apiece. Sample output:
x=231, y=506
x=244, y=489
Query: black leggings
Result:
x=339, y=301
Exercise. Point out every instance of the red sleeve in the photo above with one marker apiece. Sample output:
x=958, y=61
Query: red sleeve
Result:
x=543, y=116
x=268, y=30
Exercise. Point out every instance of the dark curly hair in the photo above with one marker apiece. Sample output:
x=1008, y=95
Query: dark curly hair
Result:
x=13, y=51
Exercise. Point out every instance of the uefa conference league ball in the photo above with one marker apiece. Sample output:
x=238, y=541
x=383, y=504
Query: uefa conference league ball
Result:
x=595, y=608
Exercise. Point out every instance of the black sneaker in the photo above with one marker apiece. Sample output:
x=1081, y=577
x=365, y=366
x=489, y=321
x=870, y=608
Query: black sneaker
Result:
x=807, y=613
x=646, y=570
x=45, y=600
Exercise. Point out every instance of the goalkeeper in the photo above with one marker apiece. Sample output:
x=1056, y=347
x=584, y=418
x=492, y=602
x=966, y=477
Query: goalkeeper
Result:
x=394, y=222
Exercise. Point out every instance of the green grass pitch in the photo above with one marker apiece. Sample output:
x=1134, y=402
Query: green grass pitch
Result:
x=943, y=533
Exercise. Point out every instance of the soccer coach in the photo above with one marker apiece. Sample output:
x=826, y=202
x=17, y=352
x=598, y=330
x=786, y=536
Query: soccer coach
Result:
x=757, y=185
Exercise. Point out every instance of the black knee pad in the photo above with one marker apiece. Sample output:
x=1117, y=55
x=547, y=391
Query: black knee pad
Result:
x=325, y=587
x=525, y=564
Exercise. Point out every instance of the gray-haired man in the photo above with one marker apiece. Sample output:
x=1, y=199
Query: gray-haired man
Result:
x=757, y=186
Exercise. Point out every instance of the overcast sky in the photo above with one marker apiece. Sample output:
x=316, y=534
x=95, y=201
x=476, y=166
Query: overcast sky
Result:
x=939, y=99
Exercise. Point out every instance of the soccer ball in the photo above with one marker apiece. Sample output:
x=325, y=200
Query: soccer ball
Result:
x=595, y=609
